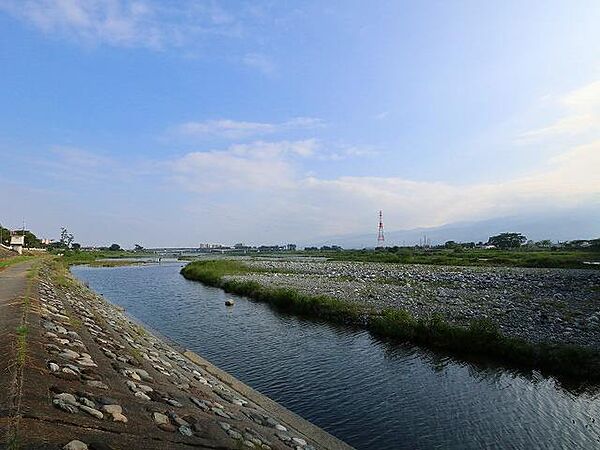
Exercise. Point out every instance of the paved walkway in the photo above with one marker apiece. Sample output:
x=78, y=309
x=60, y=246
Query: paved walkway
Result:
x=13, y=283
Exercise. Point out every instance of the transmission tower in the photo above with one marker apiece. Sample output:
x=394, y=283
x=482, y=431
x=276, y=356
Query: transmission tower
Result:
x=380, y=236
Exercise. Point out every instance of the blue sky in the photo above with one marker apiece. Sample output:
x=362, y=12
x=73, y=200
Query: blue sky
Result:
x=174, y=123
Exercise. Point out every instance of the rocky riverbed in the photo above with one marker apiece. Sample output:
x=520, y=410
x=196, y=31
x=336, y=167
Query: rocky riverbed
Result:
x=539, y=305
x=95, y=379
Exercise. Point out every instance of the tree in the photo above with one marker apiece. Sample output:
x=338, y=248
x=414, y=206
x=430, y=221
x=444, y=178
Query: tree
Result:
x=138, y=248
x=56, y=246
x=76, y=246
x=544, y=243
x=66, y=238
x=114, y=248
x=451, y=244
x=4, y=235
x=31, y=240
x=507, y=240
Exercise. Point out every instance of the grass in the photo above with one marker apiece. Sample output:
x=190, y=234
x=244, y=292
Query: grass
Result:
x=480, y=338
x=567, y=259
x=76, y=323
x=212, y=272
x=59, y=273
x=22, y=332
x=60, y=264
x=6, y=262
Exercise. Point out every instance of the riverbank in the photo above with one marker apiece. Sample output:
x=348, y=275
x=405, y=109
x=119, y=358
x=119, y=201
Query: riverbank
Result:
x=522, y=317
x=90, y=377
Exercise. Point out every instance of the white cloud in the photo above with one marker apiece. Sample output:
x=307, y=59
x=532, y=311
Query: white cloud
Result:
x=256, y=166
x=584, y=98
x=265, y=180
x=74, y=158
x=580, y=111
x=264, y=150
x=232, y=129
x=260, y=62
x=126, y=23
x=259, y=192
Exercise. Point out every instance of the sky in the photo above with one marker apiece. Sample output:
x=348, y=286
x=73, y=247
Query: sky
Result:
x=181, y=122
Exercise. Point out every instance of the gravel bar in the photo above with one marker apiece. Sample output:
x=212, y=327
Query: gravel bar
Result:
x=538, y=305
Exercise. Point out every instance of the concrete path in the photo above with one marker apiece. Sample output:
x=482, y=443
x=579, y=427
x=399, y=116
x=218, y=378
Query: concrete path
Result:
x=13, y=284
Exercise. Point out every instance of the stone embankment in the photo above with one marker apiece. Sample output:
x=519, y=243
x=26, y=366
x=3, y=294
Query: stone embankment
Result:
x=559, y=306
x=92, y=378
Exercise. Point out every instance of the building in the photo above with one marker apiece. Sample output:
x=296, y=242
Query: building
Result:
x=17, y=241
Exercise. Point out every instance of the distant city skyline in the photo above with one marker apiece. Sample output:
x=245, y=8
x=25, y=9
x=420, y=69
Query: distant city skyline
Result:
x=175, y=123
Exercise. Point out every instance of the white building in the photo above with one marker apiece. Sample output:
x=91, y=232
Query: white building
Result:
x=17, y=242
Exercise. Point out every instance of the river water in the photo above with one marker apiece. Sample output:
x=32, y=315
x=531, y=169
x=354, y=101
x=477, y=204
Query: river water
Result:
x=370, y=393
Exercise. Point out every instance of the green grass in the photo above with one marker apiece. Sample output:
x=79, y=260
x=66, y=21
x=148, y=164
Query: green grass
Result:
x=60, y=264
x=212, y=272
x=480, y=338
x=6, y=262
x=571, y=259
x=13, y=441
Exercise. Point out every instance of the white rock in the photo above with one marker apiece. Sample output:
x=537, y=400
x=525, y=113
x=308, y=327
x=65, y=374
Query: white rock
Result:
x=112, y=409
x=135, y=376
x=97, y=384
x=144, y=388
x=87, y=402
x=160, y=418
x=118, y=417
x=76, y=445
x=69, y=354
x=299, y=441
x=92, y=412
x=143, y=396
x=67, y=398
x=85, y=362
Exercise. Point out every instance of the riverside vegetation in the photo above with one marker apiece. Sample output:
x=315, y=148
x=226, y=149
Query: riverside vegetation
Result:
x=461, y=256
x=479, y=337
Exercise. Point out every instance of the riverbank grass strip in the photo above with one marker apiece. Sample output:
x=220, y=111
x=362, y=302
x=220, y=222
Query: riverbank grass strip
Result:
x=480, y=338
x=215, y=273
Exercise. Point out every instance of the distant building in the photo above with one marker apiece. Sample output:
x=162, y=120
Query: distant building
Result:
x=211, y=246
x=17, y=241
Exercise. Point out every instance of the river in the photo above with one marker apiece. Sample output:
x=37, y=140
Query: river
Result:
x=370, y=393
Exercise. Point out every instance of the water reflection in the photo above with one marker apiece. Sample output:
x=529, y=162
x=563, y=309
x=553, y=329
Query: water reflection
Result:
x=370, y=392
